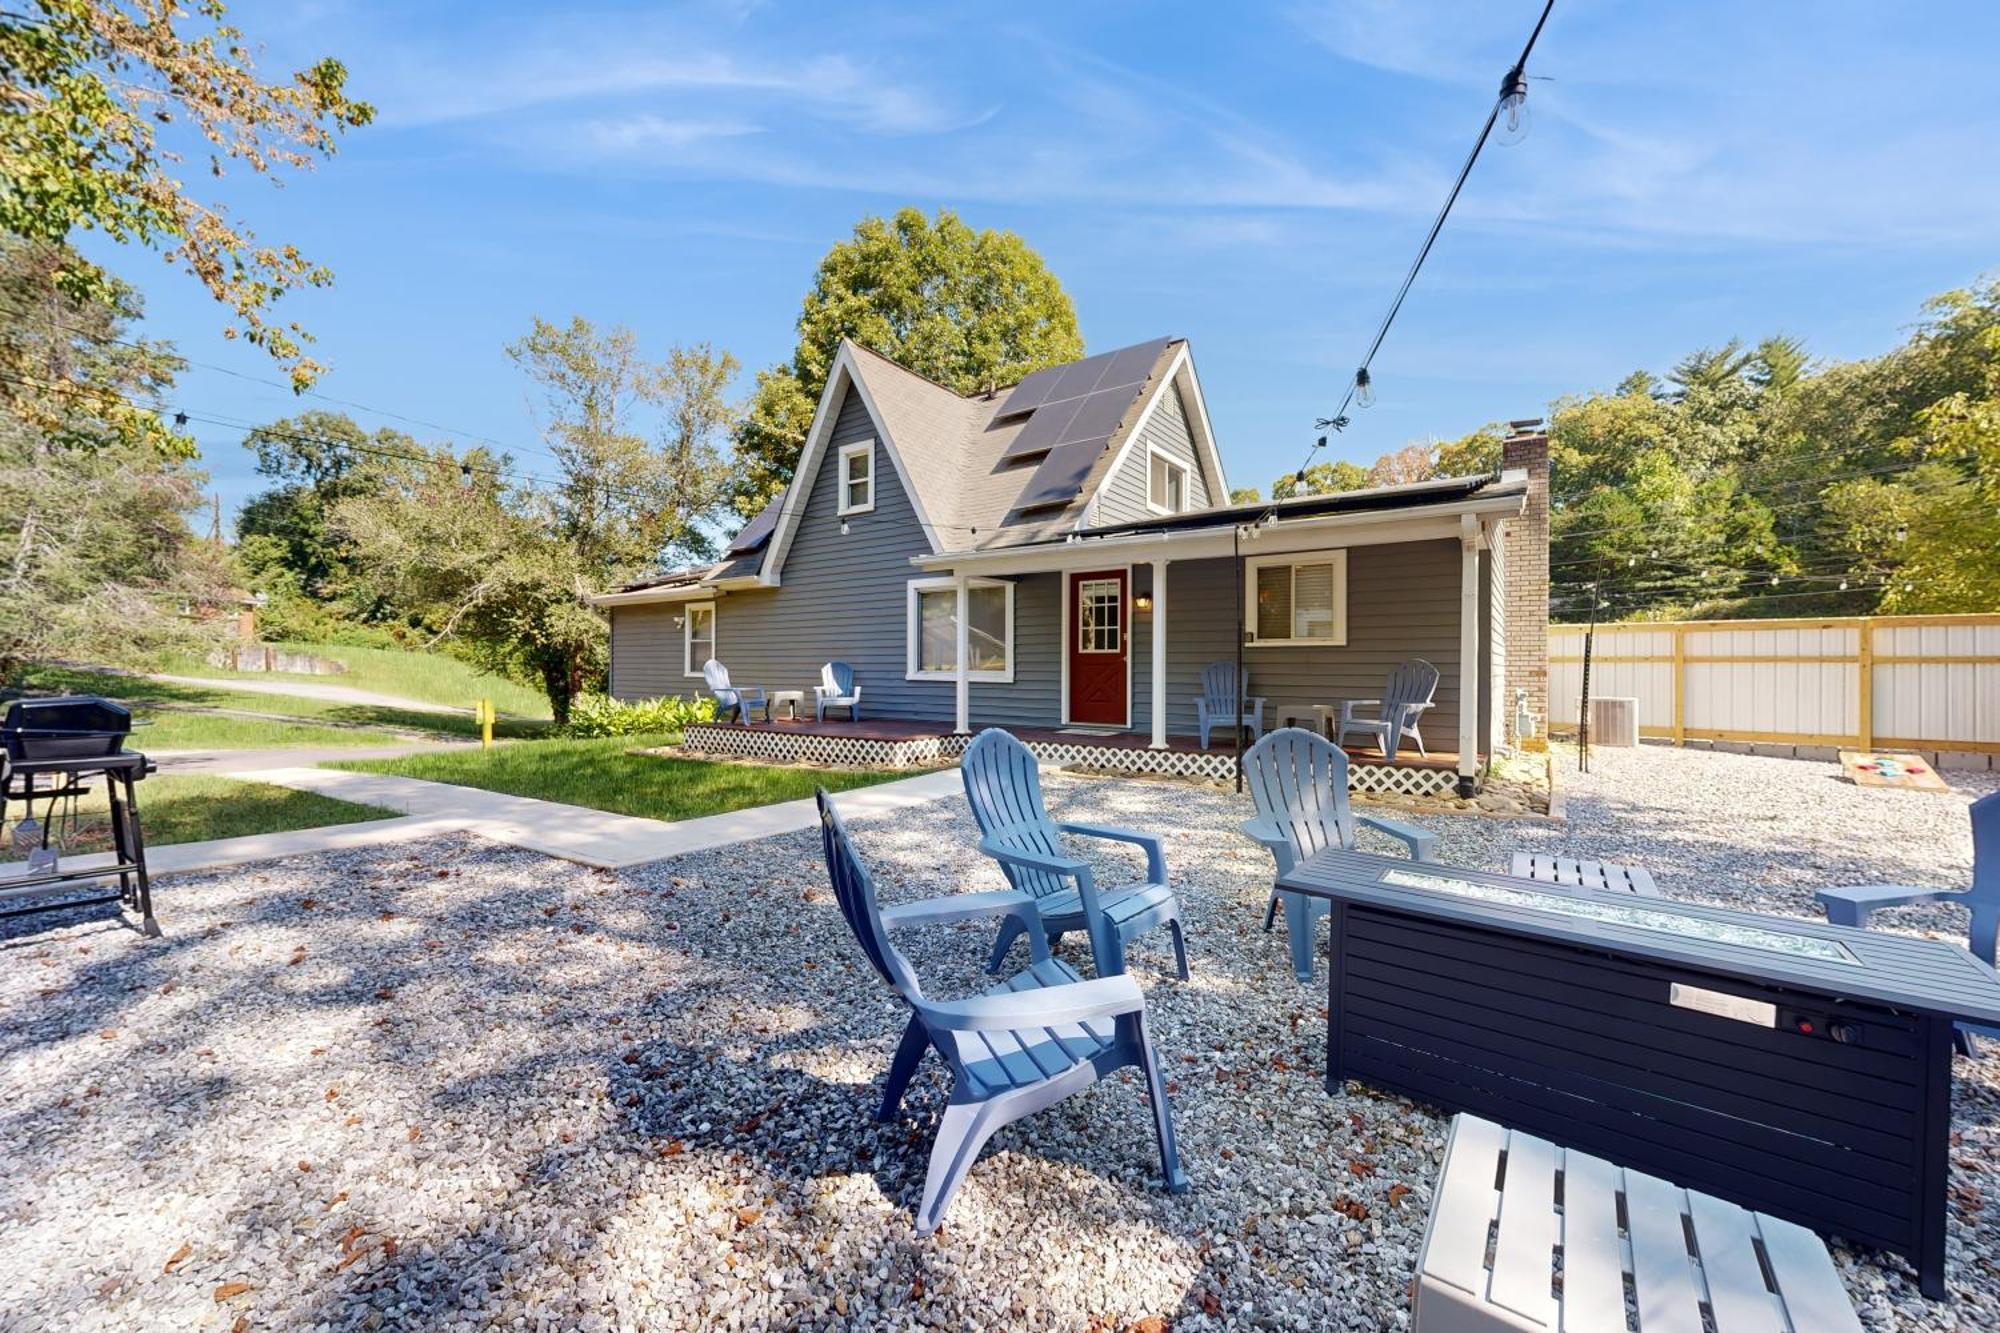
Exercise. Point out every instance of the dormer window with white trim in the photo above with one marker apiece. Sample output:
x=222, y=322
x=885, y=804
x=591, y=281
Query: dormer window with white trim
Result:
x=857, y=478
x=1167, y=484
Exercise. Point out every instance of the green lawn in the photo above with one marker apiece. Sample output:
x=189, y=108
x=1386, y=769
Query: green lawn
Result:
x=603, y=775
x=197, y=807
x=431, y=678
x=163, y=707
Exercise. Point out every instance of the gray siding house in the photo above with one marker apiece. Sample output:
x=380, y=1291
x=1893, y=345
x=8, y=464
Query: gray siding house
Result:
x=1061, y=554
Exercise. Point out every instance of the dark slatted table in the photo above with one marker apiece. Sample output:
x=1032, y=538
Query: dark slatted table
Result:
x=1797, y=1068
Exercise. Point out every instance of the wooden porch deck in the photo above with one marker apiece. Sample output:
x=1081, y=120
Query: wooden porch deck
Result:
x=901, y=731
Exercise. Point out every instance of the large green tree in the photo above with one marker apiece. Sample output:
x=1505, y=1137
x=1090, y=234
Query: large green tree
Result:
x=98, y=561
x=505, y=562
x=966, y=308
x=101, y=103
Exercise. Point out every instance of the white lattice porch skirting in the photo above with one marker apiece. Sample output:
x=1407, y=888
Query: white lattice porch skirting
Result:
x=800, y=747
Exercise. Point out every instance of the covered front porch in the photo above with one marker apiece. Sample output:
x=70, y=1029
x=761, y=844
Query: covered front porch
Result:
x=1313, y=608
x=905, y=743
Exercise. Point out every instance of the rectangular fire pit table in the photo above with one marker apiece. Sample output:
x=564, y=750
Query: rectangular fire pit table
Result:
x=1796, y=1068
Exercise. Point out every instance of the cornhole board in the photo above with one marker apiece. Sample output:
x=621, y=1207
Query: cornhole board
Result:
x=1872, y=768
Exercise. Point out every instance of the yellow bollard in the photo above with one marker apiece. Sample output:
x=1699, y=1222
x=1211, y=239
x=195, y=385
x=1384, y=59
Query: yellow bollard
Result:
x=485, y=714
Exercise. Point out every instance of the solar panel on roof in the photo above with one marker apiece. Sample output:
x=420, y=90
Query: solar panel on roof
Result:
x=1106, y=370
x=1061, y=474
x=1044, y=430
x=1031, y=392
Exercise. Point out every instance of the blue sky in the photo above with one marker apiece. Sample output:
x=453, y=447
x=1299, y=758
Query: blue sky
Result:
x=1255, y=180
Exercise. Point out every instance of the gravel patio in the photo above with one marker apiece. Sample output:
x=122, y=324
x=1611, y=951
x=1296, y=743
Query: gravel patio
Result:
x=452, y=1085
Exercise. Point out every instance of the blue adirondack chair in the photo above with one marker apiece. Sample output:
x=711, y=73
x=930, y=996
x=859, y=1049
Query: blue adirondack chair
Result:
x=1411, y=690
x=1852, y=906
x=1024, y=1045
x=836, y=689
x=731, y=698
x=1298, y=780
x=1005, y=790
x=1222, y=703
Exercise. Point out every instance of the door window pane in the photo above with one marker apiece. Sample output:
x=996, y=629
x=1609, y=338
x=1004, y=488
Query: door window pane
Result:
x=1100, y=606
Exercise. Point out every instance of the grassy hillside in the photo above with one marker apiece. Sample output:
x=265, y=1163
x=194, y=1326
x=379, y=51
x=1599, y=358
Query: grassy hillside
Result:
x=173, y=715
x=431, y=678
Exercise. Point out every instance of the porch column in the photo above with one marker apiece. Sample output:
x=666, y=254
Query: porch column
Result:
x=1469, y=538
x=1159, y=654
x=962, y=682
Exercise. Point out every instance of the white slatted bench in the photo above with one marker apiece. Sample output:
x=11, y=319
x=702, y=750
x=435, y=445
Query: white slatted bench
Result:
x=1506, y=1201
x=1590, y=874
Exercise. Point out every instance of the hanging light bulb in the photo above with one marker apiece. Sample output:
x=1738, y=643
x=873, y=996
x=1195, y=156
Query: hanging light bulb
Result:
x=465, y=475
x=1631, y=560
x=1843, y=585
x=1364, y=389
x=1774, y=580
x=1513, y=113
x=1902, y=532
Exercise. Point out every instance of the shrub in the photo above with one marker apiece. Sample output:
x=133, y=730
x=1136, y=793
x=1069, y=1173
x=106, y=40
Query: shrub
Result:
x=601, y=715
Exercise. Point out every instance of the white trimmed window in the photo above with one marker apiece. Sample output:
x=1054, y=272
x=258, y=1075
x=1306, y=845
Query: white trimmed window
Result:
x=933, y=629
x=1166, y=483
x=1297, y=600
x=697, y=637
x=857, y=478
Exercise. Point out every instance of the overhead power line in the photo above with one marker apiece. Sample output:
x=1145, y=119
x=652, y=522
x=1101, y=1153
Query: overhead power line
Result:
x=1512, y=99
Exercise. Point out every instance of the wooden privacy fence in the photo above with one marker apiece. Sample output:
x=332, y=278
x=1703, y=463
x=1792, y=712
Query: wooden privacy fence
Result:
x=1868, y=682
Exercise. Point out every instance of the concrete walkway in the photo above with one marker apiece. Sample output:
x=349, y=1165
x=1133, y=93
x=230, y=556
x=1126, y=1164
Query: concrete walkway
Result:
x=576, y=833
x=305, y=689
x=245, y=763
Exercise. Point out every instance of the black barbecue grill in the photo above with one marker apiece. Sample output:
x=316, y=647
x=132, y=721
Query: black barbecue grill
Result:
x=52, y=751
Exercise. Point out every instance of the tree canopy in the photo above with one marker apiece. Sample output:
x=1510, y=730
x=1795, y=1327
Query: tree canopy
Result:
x=1751, y=480
x=99, y=560
x=966, y=308
x=101, y=101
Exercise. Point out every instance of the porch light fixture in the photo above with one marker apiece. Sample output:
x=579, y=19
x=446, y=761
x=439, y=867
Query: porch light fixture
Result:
x=843, y=527
x=1143, y=604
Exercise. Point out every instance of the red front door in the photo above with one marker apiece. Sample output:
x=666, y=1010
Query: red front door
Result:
x=1100, y=612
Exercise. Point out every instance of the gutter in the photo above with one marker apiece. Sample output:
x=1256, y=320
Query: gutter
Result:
x=681, y=592
x=1493, y=501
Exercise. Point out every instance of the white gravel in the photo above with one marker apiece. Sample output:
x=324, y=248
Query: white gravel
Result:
x=451, y=1085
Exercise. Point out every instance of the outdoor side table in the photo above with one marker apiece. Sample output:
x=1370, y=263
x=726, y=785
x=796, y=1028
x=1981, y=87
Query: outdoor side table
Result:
x=1798, y=1069
x=792, y=701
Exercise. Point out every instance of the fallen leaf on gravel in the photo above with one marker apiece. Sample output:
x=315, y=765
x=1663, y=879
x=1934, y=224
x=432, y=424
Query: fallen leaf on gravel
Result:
x=1361, y=1166
x=389, y=1247
x=347, y=1240
x=336, y=1201
x=230, y=1289
x=180, y=1257
x=747, y=1217
x=917, y=1290
x=306, y=1167
x=1397, y=1191
x=307, y=904
x=1152, y=1323
x=109, y=1034
x=1210, y=1305
x=415, y=1133
x=672, y=1148
x=298, y=956
x=241, y=1325
x=332, y=1093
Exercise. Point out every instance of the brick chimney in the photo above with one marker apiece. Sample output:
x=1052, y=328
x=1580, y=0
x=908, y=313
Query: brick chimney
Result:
x=1526, y=449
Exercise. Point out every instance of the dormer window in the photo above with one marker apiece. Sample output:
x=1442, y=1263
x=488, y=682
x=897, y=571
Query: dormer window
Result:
x=857, y=478
x=1167, y=486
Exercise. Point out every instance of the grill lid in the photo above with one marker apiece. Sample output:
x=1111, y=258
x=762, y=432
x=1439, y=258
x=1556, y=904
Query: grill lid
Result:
x=68, y=714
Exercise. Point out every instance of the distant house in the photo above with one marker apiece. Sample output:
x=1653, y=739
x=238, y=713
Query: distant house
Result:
x=1062, y=554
